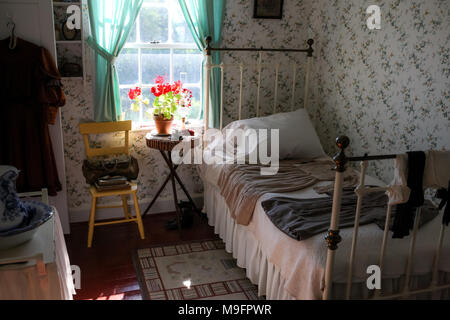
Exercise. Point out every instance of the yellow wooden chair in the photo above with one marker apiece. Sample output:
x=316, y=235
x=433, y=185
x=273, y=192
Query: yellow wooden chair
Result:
x=109, y=127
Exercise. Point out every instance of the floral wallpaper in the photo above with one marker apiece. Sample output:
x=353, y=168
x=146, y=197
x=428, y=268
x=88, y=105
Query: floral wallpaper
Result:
x=241, y=30
x=387, y=89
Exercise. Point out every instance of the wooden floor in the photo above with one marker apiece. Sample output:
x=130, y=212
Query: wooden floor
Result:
x=107, y=271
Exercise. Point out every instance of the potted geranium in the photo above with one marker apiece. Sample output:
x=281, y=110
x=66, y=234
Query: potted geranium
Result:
x=168, y=97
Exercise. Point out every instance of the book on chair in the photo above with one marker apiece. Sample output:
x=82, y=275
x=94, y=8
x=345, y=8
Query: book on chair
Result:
x=108, y=183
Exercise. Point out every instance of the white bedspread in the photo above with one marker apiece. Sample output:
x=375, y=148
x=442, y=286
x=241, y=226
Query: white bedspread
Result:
x=301, y=264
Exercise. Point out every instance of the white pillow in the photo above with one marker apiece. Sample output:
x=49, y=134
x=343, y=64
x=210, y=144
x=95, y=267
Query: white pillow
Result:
x=298, y=139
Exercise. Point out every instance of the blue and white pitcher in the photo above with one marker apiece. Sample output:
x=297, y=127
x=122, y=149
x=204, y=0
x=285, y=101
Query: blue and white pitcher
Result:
x=12, y=211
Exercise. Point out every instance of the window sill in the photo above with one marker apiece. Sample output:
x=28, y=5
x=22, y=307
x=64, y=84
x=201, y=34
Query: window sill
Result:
x=149, y=126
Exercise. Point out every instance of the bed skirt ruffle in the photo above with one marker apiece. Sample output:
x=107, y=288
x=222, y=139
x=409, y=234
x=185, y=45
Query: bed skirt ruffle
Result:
x=247, y=250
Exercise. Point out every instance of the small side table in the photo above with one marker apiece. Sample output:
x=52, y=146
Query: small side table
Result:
x=164, y=144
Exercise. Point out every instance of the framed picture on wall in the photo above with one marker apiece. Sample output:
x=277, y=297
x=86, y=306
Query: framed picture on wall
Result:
x=268, y=9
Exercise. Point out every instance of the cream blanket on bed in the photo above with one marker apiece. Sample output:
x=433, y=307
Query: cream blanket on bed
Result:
x=242, y=185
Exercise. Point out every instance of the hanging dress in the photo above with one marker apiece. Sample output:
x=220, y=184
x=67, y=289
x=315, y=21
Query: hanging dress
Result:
x=30, y=91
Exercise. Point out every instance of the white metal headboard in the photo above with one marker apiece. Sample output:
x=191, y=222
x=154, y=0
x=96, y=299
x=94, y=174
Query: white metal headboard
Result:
x=259, y=66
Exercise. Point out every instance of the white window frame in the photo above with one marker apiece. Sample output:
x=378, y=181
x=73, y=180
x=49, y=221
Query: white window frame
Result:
x=169, y=45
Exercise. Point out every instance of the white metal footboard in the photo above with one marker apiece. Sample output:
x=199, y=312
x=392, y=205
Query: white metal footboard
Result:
x=333, y=237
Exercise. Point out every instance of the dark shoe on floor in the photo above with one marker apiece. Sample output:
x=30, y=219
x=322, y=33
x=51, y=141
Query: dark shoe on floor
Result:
x=187, y=217
x=186, y=222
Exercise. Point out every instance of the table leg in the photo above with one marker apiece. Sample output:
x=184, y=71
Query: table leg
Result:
x=186, y=193
x=174, y=189
x=159, y=192
x=169, y=163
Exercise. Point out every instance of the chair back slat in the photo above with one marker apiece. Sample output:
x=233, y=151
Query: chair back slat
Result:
x=105, y=127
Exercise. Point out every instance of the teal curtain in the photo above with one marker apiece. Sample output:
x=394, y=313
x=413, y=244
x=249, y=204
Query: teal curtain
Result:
x=111, y=23
x=204, y=18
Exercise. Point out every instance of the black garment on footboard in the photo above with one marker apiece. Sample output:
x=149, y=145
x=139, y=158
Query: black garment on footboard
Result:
x=444, y=195
x=303, y=218
x=404, y=219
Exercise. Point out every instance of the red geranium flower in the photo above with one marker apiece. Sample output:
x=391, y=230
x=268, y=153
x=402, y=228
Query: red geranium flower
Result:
x=134, y=93
x=159, y=80
x=169, y=96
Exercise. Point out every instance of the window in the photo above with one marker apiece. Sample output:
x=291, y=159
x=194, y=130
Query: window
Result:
x=160, y=44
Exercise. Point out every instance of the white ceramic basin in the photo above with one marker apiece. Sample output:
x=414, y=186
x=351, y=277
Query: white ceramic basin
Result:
x=38, y=214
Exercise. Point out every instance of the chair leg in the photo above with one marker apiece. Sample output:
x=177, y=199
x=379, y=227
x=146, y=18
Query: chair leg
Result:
x=138, y=216
x=125, y=207
x=92, y=221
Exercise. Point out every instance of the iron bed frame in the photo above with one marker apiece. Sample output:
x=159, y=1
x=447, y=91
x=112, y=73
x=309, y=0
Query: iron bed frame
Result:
x=332, y=238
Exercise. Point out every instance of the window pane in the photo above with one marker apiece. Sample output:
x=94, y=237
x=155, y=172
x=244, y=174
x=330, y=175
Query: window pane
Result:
x=155, y=63
x=187, y=65
x=127, y=66
x=154, y=24
x=195, y=109
x=126, y=105
x=140, y=67
x=180, y=29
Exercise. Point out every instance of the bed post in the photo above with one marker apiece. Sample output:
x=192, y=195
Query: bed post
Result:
x=308, y=70
x=207, y=73
x=333, y=237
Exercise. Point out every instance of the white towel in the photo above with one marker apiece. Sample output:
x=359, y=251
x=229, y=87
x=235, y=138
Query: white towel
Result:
x=437, y=169
x=398, y=191
x=436, y=175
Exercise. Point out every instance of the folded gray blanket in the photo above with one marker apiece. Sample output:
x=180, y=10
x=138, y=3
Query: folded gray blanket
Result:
x=303, y=218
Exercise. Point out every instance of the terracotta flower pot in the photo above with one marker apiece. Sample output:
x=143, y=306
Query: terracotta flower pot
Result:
x=163, y=125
